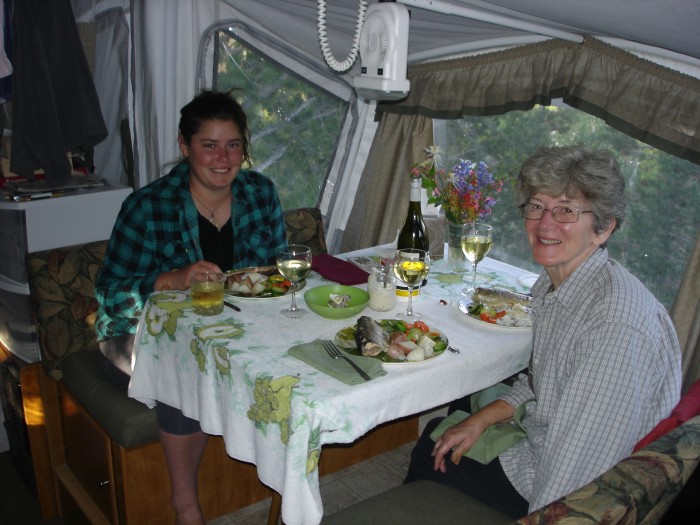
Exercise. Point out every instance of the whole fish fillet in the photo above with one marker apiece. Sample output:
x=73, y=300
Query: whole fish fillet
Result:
x=496, y=297
x=370, y=337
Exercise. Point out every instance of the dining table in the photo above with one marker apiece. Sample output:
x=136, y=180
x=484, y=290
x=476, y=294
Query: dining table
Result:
x=233, y=372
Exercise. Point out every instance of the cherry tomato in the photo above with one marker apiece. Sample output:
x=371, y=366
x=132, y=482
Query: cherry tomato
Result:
x=488, y=318
x=423, y=327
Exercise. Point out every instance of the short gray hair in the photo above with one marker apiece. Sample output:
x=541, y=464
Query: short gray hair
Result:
x=573, y=170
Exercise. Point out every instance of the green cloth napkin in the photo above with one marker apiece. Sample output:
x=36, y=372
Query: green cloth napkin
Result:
x=480, y=399
x=497, y=438
x=315, y=355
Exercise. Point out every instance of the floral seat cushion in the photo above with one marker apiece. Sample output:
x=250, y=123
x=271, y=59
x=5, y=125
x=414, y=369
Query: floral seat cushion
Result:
x=305, y=226
x=61, y=283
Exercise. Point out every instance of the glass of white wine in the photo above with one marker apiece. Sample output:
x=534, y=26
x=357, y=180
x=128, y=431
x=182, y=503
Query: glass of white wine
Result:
x=411, y=266
x=294, y=263
x=476, y=243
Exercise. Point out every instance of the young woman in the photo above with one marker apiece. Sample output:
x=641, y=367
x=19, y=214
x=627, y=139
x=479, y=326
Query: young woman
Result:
x=207, y=214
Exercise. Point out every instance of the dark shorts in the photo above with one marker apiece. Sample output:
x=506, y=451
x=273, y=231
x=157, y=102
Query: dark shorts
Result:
x=173, y=421
x=487, y=483
x=115, y=360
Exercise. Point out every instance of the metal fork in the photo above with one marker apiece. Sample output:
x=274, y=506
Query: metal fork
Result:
x=335, y=353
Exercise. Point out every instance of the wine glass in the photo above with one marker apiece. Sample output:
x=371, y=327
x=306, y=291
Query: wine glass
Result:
x=294, y=263
x=476, y=243
x=411, y=266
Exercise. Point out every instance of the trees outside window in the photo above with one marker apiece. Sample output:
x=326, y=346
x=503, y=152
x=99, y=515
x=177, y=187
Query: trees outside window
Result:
x=294, y=124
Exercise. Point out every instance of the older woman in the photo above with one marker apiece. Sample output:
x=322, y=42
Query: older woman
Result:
x=605, y=364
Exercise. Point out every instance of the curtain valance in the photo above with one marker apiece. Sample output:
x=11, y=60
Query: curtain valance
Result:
x=649, y=102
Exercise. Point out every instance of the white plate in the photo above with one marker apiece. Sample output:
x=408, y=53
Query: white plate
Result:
x=262, y=296
x=528, y=281
x=346, y=337
x=465, y=303
x=400, y=363
x=268, y=271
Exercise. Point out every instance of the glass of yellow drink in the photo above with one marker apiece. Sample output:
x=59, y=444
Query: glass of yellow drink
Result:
x=208, y=293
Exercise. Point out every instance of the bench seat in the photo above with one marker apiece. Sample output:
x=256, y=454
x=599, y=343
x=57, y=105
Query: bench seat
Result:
x=129, y=423
x=637, y=490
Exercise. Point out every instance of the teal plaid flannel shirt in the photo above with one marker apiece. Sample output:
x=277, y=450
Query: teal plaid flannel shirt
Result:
x=157, y=231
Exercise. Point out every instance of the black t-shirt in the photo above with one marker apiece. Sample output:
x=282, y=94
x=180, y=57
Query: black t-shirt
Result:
x=216, y=245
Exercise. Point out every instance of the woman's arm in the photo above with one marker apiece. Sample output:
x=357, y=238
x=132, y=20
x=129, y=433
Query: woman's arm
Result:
x=141, y=255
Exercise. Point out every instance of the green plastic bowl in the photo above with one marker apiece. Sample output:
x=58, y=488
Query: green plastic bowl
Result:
x=317, y=299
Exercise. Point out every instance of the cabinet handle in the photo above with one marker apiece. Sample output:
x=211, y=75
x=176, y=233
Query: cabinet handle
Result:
x=103, y=483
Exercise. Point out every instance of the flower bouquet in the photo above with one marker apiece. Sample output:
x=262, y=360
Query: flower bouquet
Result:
x=465, y=194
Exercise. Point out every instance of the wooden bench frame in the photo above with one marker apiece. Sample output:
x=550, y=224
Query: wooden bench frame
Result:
x=134, y=486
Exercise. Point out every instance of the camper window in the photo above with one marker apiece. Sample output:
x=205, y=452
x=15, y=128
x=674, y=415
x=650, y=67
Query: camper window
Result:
x=662, y=219
x=294, y=124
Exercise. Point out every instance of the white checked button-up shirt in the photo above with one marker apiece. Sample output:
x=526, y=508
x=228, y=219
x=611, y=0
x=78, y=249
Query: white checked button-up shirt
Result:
x=605, y=369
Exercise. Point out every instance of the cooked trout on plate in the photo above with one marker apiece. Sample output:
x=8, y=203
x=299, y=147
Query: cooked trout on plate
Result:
x=497, y=296
x=391, y=341
x=370, y=337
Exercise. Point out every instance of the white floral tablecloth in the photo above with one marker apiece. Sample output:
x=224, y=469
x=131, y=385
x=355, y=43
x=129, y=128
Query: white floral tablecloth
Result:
x=233, y=374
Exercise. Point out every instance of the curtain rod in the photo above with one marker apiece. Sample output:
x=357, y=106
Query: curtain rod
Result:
x=467, y=12
x=636, y=47
x=481, y=46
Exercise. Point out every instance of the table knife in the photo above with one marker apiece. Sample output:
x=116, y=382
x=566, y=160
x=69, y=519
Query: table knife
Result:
x=231, y=305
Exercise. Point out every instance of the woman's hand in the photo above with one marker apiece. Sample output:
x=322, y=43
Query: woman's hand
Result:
x=462, y=436
x=457, y=439
x=180, y=279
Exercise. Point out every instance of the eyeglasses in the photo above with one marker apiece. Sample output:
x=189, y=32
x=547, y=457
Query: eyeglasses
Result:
x=534, y=212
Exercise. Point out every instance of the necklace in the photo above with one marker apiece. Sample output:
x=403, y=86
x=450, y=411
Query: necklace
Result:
x=212, y=218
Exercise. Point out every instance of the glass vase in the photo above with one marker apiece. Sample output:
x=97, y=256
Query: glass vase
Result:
x=453, y=245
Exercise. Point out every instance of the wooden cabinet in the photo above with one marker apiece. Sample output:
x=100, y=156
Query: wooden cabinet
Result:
x=79, y=469
x=88, y=456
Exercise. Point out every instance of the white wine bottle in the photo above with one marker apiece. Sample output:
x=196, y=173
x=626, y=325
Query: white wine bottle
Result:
x=414, y=233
